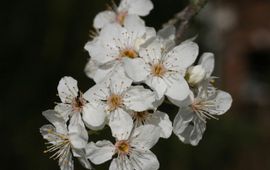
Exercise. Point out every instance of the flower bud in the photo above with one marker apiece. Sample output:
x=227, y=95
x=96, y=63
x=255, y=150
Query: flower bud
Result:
x=195, y=75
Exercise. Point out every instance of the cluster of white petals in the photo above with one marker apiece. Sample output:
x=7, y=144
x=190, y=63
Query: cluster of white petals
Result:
x=136, y=70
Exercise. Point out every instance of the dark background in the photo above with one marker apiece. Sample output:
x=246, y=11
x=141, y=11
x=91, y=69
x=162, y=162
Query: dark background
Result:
x=42, y=41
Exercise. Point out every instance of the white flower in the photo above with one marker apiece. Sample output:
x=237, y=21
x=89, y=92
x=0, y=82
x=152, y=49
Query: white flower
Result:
x=190, y=122
x=132, y=149
x=74, y=103
x=119, y=14
x=114, y=44
x=117, y=97
x=63, y=141
x=164, y=71
x=156, y=118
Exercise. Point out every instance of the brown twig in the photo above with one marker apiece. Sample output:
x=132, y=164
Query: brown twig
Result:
x=182, y=18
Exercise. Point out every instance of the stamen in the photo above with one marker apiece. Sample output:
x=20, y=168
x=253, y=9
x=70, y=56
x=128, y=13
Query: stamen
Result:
x=130, y=53
x=60, y=147
x=78, y=103
x=158, y=70
x=120, y=17
x=199, y=108
x=123, y=147
x=140, y=117
x=114, y=101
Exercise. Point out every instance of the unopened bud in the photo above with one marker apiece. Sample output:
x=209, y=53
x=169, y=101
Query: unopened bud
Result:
x=195, y=75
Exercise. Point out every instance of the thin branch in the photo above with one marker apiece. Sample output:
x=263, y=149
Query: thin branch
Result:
x=181, y=19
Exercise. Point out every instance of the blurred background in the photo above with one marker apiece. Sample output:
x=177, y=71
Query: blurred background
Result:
x=42, y=41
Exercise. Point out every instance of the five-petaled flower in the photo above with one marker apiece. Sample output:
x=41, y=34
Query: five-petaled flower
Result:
x=132, y=148
x=190, y=122
x=164, y=72
x=118, y=98
x=120, y=13
x=115, y=44
x=65, y=141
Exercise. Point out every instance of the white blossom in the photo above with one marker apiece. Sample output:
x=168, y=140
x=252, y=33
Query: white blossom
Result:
x=64, y=141
x=163, y=71
x=114, y=44
x=118, y=97
x=74, y=103
x=132, y=149
x=190, y=122
x=119, y=14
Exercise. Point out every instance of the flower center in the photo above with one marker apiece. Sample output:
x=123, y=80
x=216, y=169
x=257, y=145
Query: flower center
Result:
x=130, y=53
x=114, y=101
x=120, y=18
x=158, y=70
x=78, y=103
x=200, y=108
x=140, y=117
x=122, y=147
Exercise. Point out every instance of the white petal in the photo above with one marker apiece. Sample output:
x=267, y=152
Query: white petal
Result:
x=223, y=102
x=167, y=37
x=105, y=48
x=67, y=89
x=163, y=121
x=106, y=71
x=122, y=163
x=178, y=90
x=135, y=26
x=157, y=84
x=121, y=124
x=207, y=61
x=85, y=162
x=56, y=119
x=136, y=69
x=198, y=131
x=188, y=128
x=100, y=152
x=151, y=54
x=99, y=50
x=65, y=110
x=158, y=102
x=94, y=116
x=183, y=55
x=78, y=135
x=167, y=32
x=145, y=137
x=110, y=35
x=144, y=160
x=119, y=84
x=49, y=133
x=65, y=162
x=133, y=98
x=97, y=92
x=138, y=7
x=104, y=18
x=182, y=119
x=183, y=103
x=91, y=68
x=150, y=32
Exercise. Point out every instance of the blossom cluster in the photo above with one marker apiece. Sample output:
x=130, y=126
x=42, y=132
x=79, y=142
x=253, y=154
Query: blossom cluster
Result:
x=136, y=70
